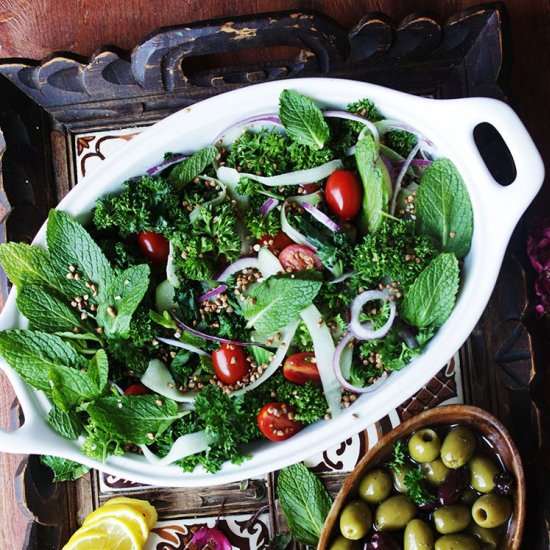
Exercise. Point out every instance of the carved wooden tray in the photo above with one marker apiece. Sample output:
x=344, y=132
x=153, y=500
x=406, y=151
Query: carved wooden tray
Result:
x=62, y=115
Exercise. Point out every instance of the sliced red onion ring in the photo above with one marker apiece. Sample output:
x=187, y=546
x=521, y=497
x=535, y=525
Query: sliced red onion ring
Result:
x=357, y=118
x=388, y=124
x=211, y=293
x=414, y=162
x=154, y=170
x=404, y=168
x=238, y=265
x=268, y=206
x=272, y=118
x=340, y=348
x=182, y=345
x=362, y=331
x=294, y=234
x=200, y=334
x=321, y=217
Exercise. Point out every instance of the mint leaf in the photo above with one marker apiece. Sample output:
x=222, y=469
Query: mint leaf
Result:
x=190, y=168
x=63, y=468
x=304, y=501
x=133, y=418
x=122, y=299
x=71, y=387
x=303, y=120
x=431, y=298
x=376, y=194
x=98, y=370
x=65, y=423
x=70, y=244
x=26, y=264
x=46, y=309
x=32, y=354
x=443, y=208
x=277, y=301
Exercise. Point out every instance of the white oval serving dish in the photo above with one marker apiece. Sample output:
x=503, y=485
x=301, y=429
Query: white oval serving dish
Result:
x=447, y=123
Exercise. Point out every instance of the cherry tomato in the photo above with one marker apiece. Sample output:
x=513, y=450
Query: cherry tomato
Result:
x=276, y=243
x=343, y=193
x=137, y=389
x=297, y=257
x=154, y=246
x=230, y=364
x=301, y=368
x=310, y=188
x=276, y=421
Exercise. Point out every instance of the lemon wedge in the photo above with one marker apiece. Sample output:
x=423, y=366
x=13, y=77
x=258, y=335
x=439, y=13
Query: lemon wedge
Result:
x=142, y=506
x=132, y=518
x=111, y=533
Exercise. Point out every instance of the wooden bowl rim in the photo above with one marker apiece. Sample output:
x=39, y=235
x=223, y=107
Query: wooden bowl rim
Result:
x=445, y=414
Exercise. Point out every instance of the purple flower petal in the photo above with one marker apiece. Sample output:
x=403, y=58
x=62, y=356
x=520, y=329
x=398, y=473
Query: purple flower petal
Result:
x=210, y=536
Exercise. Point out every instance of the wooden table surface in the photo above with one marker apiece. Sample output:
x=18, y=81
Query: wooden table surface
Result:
x=34, y=28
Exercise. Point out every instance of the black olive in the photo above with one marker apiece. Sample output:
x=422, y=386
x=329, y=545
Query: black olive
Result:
x=504, y=484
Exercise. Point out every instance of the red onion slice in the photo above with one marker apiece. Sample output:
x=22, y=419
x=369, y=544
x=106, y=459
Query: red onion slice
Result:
x=414, y=162
x=200, y=334
x=211, y=293
x=387, y=125
x=321, y=217
x=357, y=118
x=268, y=206
x=158, y=168
x=248, y=262
x=340, y=348
x=362, y=331
x=404, y=168
x=182, y=345
x=271, y=118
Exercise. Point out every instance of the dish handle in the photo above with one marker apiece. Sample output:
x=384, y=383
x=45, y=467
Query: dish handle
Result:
x=507, y=201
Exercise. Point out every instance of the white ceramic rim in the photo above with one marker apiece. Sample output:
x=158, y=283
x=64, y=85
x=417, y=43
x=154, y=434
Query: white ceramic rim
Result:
x=447, y=123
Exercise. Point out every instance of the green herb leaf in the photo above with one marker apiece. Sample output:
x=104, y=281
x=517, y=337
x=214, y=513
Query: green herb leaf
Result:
x=398, y=458
x=71, y=387
x=133, y=418
x=26, y=264
x=70, y=244
x=304, y=501
x=416, y=491
x=443, y=208
x=32, y=354
x=122, y=300
x=280, y=541
x=46, y=309
x=65, y=423
x=376, y=193
x=190, y=168
x=63, y=468
x=98, y=370
x=431, y=298
x=277, y=301
x=303, y=120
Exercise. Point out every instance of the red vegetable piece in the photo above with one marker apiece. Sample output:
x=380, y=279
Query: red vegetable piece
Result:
x=277, y=243
x=343, y=193
x=301, y=368
x=154, y=246
x=230, y=364
x=297, y=257
x=310, y=188
x=276, y=421
x=137, y=389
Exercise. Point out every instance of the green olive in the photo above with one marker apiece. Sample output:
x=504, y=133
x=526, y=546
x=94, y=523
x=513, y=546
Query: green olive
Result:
x=355, y=519
x=398, y=475
x=394, y=513
x=375, y=486
x=458, y=447
x=451, y=519
x=482, y=472
x=469, y=496
x=424, y=445
x=491, y=510
x=342, y=543
x=457, y=542
x=418, y=536
x=489, y=537
x=435, y=471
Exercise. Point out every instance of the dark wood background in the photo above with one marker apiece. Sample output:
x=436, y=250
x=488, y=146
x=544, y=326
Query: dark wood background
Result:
x=35, y=28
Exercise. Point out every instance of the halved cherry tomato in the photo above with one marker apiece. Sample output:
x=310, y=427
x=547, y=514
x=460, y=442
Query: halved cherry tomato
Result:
x=137, y=389
x=230, y=364
x=276, y=243
x=343, y=193
x=154, y=246
x=301, y=368
x=297, y=257
x=310, y=188
x=276, y=421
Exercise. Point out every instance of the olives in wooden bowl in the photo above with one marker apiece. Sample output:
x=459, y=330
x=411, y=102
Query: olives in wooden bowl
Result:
x=447, y=479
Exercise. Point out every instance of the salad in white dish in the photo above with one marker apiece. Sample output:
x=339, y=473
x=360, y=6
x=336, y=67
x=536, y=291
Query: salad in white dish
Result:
x=244, y=290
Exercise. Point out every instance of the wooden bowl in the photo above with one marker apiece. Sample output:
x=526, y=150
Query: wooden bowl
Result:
x=479, y=420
